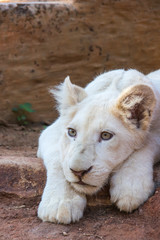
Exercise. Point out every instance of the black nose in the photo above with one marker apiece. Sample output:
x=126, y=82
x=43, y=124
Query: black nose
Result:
x=81, y=173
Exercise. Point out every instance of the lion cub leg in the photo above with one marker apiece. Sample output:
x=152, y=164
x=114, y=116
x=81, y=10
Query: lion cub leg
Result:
x=132, y=184
x=60, y=203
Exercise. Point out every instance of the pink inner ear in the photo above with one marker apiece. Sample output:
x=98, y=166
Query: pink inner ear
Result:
x=137, y=113
x=135, y=106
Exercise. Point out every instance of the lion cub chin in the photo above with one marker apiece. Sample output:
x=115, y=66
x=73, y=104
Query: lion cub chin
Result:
x=108, y=130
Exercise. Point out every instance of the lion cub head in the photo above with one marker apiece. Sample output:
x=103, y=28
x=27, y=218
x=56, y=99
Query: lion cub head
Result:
x=100, y=132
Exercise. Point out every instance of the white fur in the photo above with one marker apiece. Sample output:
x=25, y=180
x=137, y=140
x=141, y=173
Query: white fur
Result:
x=126, y=159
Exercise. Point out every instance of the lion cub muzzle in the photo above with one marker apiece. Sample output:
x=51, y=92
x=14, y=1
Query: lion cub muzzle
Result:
x=81, y=173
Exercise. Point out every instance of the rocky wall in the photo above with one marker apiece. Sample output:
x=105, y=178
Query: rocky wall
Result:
x=42, y=43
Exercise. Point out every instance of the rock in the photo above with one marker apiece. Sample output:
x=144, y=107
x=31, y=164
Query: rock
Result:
x=21, y=176
x=42, y=43
x=152, y=208
x=25, y=177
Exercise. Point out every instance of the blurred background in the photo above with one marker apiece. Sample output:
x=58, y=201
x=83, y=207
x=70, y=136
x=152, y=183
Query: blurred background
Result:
x=43, y=42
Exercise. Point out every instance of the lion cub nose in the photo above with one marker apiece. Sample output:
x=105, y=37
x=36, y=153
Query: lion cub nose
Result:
x=81, y=173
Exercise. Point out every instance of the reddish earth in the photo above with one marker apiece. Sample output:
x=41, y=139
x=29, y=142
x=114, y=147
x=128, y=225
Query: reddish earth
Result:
x=18, y=210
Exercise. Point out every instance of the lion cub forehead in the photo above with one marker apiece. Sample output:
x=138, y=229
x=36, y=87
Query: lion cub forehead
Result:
x=93, y=113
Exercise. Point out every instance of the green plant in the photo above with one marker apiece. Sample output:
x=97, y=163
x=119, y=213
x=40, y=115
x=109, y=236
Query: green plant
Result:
x=22, y=111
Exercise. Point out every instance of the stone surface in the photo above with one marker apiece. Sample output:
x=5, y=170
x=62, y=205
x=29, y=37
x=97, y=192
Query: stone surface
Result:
x=21, y=176
x=21, y=183
x=18, y=221
x=25, y=177
x=30, y=1
x=42, y=43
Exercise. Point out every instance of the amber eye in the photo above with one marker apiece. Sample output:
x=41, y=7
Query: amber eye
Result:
x=106, y=135
x=72, y=132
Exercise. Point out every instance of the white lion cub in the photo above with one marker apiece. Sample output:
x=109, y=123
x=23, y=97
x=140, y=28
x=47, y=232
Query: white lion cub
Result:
x=108, y=130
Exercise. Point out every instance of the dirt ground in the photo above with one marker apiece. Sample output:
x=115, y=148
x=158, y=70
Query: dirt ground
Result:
x=18, y=217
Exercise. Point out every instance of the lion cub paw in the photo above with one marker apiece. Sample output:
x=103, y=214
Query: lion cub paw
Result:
x=62, y=211
x=127, y=203
x=131, y=199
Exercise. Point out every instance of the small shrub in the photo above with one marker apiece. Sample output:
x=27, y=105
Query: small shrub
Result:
x=21, y=113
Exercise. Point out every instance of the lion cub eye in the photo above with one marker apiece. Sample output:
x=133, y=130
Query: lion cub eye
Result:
x=72, y=132
x=106, y=135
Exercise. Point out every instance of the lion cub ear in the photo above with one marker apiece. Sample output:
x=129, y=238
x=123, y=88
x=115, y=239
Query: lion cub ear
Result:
x=67, y=95
x=135, y=106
